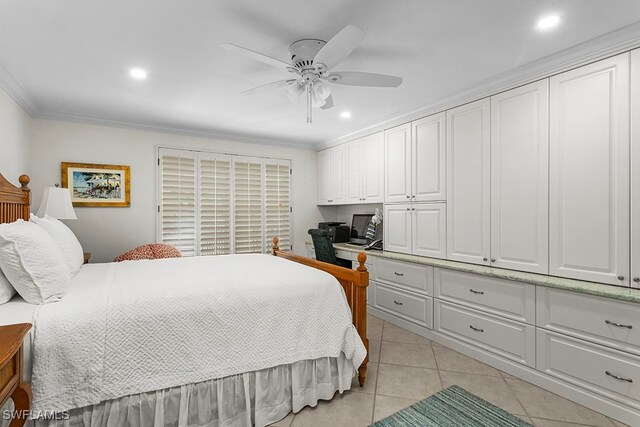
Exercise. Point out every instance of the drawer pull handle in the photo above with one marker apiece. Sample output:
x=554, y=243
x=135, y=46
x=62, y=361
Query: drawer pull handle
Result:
x=629, y=380
x=473, y=291
x=476, y=329
x=396, y=302
x=398, y=274
x=619, y=325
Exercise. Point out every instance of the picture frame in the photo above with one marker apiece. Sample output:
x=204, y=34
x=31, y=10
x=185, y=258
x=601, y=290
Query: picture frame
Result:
x=97, y=185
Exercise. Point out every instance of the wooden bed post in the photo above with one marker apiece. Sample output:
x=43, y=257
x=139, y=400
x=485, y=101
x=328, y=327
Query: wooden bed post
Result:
x=354, y=283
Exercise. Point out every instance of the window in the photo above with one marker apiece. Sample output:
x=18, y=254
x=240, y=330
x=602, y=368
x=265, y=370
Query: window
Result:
x=215, y=204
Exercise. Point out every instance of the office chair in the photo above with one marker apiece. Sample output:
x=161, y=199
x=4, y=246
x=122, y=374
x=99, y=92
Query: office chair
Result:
x=324, y=248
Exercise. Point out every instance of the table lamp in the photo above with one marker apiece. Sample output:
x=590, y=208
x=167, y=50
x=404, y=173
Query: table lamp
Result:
x=56, y=203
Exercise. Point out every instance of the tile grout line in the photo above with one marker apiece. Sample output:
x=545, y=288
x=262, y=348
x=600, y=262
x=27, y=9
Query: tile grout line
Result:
x=375, y=389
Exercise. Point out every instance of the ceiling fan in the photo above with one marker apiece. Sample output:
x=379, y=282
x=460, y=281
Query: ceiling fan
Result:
x=311, y=60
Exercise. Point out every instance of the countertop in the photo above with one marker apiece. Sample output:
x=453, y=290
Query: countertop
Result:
x=579, y=286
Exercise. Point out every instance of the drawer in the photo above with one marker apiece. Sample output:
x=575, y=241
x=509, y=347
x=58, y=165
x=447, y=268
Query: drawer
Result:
x=411, y=307
x=512, y=340
x=414, y=277
x=346, y=254
x=605, y=321
x=557, y=356
x=514, y=300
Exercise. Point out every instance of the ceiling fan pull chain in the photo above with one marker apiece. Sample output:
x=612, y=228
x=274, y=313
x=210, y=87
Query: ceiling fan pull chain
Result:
x=309, y=111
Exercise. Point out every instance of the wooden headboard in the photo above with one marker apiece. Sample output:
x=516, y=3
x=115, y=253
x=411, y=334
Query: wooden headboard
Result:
x=14, y=201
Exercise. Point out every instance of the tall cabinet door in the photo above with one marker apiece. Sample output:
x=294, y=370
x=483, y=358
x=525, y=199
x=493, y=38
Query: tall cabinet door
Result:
x=397, y=228
x=372, y=168
x=338, y=173
x=324, y=175
x=468, y=179
x=428, y=159
x=429, y=225
x=353, y=172
x=635, y=168
x=397, y=164
x=520, y=178
x=589, y=172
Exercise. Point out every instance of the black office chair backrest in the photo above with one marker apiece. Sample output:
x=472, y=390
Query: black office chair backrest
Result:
x=323, y=245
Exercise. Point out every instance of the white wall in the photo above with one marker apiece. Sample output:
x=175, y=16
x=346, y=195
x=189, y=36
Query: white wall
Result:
x=15, y=139
x=107, y=232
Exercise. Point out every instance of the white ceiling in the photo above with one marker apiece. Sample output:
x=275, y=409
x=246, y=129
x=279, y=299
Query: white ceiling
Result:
x=70, y=58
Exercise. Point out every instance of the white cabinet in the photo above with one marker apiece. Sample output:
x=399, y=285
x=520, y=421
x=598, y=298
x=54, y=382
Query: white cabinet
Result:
x=428, y=159
x=415, y=163
x=429, y=229
x=331, y=170
x=589, y=172
x=520, y=178
x=397, y=228
x=416, y=228
x=635, y=168
x=397, y=164
x=365, y=170
x=468, y=190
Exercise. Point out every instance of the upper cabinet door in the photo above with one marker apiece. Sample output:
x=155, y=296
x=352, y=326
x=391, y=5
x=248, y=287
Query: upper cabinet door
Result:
x=354, y=171
x=635, y=168
x=589, y=172
x=520, y=178
x=397, y=164
x=468, y=175
x=324, y=174
x=372, y=168
x=397, y=228
x=428, y=159
x=338, y=173
x=429, y=228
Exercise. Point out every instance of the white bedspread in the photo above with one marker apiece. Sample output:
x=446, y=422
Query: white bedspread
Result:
x=150, y=325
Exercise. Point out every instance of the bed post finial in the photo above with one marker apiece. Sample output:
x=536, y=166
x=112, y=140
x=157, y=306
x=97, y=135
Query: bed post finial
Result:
x=24, y=181
x=275, y=241
x=362, y=258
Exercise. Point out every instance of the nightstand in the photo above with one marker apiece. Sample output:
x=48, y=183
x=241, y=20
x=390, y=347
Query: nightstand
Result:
x=11, y=359
x=87, y=257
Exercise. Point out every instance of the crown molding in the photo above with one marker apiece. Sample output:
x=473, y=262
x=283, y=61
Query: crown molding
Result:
x=160, y=128
x=609, y=44
x=16, y=91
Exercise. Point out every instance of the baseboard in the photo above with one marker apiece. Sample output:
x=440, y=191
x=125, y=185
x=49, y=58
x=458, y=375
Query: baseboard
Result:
x=608, y=407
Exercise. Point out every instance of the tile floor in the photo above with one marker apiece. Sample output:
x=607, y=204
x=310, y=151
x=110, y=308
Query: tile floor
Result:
x=405, y=368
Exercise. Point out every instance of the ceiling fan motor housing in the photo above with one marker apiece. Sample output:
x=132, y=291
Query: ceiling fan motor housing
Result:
x=303, y=51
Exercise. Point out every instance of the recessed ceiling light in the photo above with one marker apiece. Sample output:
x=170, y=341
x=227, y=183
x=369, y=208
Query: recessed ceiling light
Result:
x=548, y=22
x=345, y=114
x=138, y=74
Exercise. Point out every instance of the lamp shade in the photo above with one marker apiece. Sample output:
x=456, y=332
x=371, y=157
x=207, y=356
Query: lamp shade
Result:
x=56, y=203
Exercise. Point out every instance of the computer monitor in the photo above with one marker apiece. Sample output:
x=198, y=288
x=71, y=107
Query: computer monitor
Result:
x=359, y=225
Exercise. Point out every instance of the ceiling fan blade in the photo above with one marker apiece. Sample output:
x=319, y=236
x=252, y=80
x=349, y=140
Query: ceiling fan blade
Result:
x=356, y=78
x=339, y=47
x=328, y=103
x=272, y=85
x=256, y=55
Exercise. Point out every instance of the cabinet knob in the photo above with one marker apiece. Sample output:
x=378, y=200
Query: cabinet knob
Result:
x=408, y=196
x=408, y=209
x=636, y=279
x=493, y=260
x=621, y=278
x=484, y=259
x=413, y=197
x=413, y=209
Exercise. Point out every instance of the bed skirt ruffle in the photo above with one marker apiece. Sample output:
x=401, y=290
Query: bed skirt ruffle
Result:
x=256, y=398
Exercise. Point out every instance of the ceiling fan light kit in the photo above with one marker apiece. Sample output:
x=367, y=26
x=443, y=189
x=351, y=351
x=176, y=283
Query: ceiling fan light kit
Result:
x=310, y=61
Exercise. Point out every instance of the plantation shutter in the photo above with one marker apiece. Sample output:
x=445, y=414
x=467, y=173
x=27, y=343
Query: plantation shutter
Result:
x=248, y=203
x=177, y=225
x=277, y=177
x=215, y=204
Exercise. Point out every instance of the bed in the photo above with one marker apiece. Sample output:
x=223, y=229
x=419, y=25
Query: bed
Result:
x=225, y=340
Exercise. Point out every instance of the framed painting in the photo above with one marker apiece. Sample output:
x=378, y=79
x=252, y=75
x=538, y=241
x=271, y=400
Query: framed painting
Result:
x=97, y=185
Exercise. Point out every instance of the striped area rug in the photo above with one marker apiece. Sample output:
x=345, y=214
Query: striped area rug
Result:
x=453, y=406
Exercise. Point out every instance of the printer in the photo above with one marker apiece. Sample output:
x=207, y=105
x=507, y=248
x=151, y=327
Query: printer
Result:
x=339, y=231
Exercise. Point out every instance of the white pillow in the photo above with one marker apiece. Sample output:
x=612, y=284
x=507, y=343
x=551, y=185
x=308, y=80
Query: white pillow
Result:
x=65, y=240
x=6, y=290
x=32, y=262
